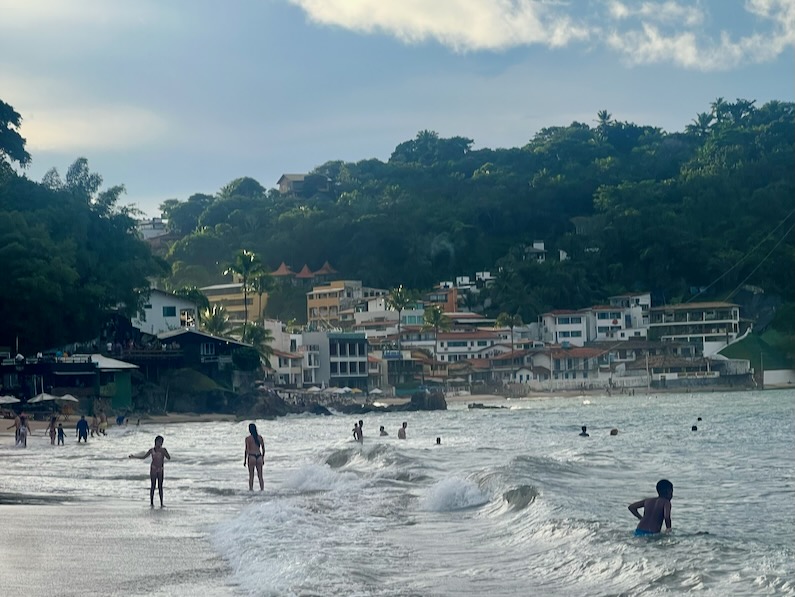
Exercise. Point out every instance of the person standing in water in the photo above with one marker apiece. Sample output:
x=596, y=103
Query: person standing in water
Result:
x=402, y=431
x=159, y=455
x=22, y=434
x=51, y=430
x=254, y=456
x=655, y=510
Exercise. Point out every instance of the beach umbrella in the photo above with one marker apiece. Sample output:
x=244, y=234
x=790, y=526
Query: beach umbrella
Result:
x=67, y=398
x=43, y=397
x=376, y=391
x=345, y=390
x=314, y=389
x=356, y=391
x=8, y=400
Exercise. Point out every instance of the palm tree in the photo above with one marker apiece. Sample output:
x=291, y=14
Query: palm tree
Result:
x=215, y=320
x=511, y=321
x=436, y=319
x=398, y=300
x=604, y=118
x=263, y=283
x=701, y=125
x=261, y=339
x=246, y=265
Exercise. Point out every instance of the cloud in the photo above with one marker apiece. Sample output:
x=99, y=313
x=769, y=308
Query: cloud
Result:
x=463, y=25
x=670, y=31
x=77, y=123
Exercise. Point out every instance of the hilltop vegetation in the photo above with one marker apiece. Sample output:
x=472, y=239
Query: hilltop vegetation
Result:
x=634, y=207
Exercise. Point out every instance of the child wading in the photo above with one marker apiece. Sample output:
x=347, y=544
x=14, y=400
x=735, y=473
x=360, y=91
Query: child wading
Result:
x=158, y=454
x=655, y=510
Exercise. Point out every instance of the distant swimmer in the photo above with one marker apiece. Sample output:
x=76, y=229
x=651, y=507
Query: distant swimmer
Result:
x=82, y=429
x=699, y=418
x=159, y=455
x=402, y=431
x=381, y=431
x=361, y=430
x=655, y=510
x=694, y=428
x=254, y=456
x=438, y=441
x=584, y=433
x=357, y=433
x=614, y=432
x=60, y=434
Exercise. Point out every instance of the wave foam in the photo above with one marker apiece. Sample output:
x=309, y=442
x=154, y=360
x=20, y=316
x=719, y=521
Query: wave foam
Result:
x=452, y=494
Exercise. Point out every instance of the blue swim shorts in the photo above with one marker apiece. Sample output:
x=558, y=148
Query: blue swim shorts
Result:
x=644, y=533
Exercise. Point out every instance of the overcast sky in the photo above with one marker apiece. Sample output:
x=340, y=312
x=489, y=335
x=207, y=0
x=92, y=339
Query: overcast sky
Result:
x=176, y=97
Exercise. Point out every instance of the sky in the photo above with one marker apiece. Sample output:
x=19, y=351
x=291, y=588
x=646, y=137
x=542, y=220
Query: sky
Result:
x=181, y=97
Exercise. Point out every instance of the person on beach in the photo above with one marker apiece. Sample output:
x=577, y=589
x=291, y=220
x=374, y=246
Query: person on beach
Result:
x=655, y=510
x=382, y=432
x=60, y=434
x=159, y=455
x=22, y=434
x=15, y=426
x=402, y=431
x=254, y=456
x=51, y=430
x=584, y=433
x=94, y=426
x=82, y=429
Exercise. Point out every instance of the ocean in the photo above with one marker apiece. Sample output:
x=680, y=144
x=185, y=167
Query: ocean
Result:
x=513, y=502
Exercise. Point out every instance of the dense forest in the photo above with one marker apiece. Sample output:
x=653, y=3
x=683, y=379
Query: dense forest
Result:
x=634, y=207
x=700, y=212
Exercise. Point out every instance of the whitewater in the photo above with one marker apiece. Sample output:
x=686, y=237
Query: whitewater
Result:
x=513, y=502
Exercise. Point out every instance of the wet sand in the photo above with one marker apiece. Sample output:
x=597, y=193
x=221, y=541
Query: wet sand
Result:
x=116, y=548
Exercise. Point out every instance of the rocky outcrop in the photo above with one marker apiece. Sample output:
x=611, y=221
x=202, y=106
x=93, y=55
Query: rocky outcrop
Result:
x=419, y=401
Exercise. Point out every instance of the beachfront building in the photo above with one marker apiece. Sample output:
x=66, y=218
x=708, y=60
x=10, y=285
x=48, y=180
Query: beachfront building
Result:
x=565, y=326
x=330, y=306
x=232, y=298
x=711, y=326
x=467, y=344
x=164, y=312
x=338, y=359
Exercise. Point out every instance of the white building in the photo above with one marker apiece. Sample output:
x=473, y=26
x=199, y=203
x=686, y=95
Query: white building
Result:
x=164, y=312
x=709, y=325
x=565, y=326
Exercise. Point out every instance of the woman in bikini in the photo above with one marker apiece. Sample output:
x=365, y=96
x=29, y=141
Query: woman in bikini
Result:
x=254, y=456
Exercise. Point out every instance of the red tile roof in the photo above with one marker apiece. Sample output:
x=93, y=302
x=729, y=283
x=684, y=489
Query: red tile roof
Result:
x=305, y=273
x=325, y=270
x=283, y=270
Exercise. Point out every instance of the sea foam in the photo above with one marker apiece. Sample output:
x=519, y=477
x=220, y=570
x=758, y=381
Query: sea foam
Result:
x=452, y=494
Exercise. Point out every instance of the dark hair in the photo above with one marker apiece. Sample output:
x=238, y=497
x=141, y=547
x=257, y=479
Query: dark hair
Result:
x=159, y=438
x=664, y=486
x=252, y=429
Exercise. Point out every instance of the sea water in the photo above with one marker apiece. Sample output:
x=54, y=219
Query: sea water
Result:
x=513, y=502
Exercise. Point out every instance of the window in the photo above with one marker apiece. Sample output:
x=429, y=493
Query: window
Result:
x=576, y=334
x=576, y=319
x=148, y=306
x=563, y=320
x=334, y=368
x=169, y=311
x=207, y=349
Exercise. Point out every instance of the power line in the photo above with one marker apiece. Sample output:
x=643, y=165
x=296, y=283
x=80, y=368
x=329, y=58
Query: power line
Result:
x=769, y=253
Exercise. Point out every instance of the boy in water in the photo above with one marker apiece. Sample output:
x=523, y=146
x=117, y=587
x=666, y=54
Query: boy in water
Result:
x=655, y=510
x=158, y=454
x=60, y=434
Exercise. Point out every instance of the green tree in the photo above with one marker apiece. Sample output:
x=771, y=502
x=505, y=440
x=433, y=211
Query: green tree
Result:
x=246, y=265
x=215, y=321
x=437, y=320
x=262, y=283
x=12, y=144
x=510, y=321
x=261, y=339
x=398, y=300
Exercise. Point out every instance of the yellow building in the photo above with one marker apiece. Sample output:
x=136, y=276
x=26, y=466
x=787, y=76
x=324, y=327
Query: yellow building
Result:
x=231, y=297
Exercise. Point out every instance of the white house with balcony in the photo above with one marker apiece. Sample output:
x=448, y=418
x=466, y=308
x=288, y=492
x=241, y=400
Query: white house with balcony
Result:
x=164, y=312
x=463, y=345
x=709, y=325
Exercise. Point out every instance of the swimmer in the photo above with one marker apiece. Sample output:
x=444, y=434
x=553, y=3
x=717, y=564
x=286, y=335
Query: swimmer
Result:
x=655, y=510
x=159, y=455
x=584, y=433
x=614, y=432
x=382, y=432
x=438, y=441
x=402, y=431
x=254, y=456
